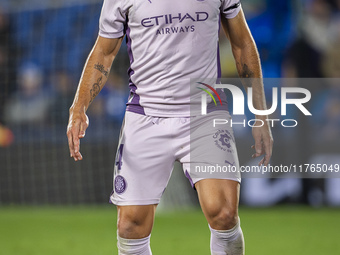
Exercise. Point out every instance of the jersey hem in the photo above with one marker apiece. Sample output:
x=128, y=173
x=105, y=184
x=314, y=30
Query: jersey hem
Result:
x=195, y=180
x=111, y=35
x=129, y=109
x=161, y=115
x=135, y=109
x=234, y=13
x=135, y=202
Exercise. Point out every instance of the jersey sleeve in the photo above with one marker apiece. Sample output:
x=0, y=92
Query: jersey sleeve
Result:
x=112, y=19
x=230, y=8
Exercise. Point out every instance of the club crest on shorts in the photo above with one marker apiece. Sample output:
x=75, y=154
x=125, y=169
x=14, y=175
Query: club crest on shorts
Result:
x=223, y=139
x=120, y=184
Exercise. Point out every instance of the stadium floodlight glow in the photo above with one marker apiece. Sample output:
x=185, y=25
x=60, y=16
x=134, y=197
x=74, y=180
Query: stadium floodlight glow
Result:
x=238, y=100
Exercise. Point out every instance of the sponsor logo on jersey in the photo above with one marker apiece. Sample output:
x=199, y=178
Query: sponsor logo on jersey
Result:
x=173, y=21
x=174, y=18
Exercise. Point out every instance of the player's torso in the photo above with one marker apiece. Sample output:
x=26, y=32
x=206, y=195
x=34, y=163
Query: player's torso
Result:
x=171, y=41
x=156, y=15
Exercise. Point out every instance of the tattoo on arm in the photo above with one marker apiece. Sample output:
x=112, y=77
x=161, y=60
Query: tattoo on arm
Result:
x=96, y=87
x=245, y=73
x=101, y=69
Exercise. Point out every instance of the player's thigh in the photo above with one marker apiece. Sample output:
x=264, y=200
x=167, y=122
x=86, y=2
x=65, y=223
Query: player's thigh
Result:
x=135, y=221
x=219, y=201
x=144, y=161
x=212, y=150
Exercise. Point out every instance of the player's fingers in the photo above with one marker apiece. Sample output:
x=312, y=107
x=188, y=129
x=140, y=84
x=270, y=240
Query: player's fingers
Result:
x=258, y=152
x=78, y=156
x=83, y=127
x=258, y=146
x=261, y=162
x=75, y=139
x=268, y=147
x=81, y=134
x=70, y=143
x=255, y=155
x=75, y=129
x=267, y=158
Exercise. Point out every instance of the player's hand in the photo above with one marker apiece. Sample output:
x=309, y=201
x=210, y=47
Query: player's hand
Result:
x=263, y=142
x=77, y=125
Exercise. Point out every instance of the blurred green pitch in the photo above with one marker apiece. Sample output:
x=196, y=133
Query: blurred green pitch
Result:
x=91, y=231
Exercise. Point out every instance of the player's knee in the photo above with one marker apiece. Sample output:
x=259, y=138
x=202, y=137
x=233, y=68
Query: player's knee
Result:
x=223, y=218
x=133, y=225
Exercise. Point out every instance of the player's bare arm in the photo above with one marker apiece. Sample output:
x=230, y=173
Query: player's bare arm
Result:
x=249, y=68
x=94, y=76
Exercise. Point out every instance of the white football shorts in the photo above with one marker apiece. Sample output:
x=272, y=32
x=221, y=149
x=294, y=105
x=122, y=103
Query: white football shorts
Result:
x=149, y=146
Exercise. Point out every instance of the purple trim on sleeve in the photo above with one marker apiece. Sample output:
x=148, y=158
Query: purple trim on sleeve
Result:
x=232, y=11
x=235, y=6
x=133, y=105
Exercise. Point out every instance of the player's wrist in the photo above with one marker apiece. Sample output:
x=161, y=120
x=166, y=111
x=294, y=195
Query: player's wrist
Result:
x=77, y=108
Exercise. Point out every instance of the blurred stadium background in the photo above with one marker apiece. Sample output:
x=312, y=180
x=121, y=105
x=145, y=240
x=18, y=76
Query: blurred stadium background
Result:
x=43, y=47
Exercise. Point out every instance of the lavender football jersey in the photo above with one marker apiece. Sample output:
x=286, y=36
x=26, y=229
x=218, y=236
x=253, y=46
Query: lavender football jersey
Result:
x=169, y=42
